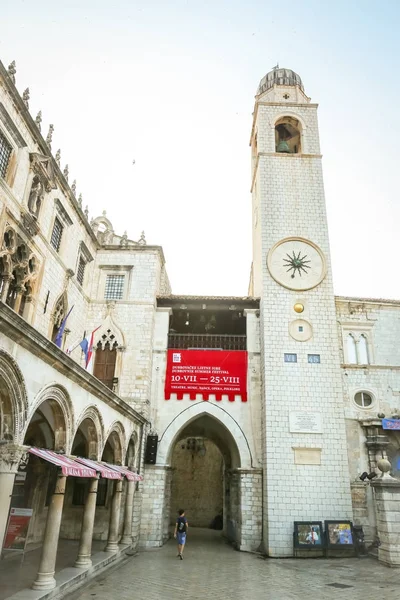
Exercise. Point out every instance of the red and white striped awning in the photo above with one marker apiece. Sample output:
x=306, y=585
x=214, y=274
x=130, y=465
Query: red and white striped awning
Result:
x=130, y=475
x=69, y=467
x=101, y=468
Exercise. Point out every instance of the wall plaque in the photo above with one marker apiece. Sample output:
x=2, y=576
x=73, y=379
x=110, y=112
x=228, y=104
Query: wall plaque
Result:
x=305, y=422
x=307, y=456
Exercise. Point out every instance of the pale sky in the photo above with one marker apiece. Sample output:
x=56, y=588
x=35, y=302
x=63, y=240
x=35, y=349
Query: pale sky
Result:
x=171, y=85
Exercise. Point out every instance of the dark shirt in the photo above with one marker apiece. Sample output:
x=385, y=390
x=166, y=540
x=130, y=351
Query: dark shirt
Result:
x=181, y=524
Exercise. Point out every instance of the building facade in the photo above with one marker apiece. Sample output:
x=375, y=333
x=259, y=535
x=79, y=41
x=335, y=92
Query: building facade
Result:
x=319, y=371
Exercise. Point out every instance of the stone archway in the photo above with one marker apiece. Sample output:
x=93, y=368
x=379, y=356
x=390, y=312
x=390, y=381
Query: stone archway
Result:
x=13, y=400
x=233, y=433
x=115, y=446
x=200, y=431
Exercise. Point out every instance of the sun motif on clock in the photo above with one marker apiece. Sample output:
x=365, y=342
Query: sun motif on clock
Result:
x=297, y=264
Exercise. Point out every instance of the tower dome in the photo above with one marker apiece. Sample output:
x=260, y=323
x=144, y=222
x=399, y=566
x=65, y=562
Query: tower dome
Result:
x=279, y=77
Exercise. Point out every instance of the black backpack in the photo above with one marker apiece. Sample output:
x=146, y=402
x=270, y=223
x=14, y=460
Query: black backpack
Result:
x=181, y=525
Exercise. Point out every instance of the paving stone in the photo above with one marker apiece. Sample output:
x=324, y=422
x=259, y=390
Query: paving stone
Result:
x=211, y=569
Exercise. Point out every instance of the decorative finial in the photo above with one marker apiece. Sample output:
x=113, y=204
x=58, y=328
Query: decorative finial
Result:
x=12, y=69
x=58, y=156
x=73, y=187
x=66, y=172
x=25, y=98
x=38, y=120
x=276, y=67
x=104, y=213
x=124, y=239
x=80, y=200
x=50, y=136
x=142, y=240
x=86, y=211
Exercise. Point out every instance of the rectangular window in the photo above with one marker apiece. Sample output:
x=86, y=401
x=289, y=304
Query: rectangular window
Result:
x=81, y=270
x=292, y=358
x=314, y=358
x=114, y=287
x=5, y=154
x=55, y=240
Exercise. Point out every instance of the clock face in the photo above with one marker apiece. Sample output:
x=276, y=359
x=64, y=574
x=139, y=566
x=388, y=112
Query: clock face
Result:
x=296, y=264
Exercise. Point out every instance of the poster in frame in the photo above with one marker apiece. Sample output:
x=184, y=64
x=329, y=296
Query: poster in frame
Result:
x=339, y=534
x=308, y=534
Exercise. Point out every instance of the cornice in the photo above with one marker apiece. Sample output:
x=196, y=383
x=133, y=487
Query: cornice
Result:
x=16, y=328
x=40, y=141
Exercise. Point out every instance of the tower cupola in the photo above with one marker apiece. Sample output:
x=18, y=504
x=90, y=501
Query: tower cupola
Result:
x=279, y=76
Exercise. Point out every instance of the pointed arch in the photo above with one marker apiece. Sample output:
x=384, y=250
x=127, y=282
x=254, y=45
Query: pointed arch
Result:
x=58, y=313
x=110, y=328
x=235, y=434
x=13, y=399
x=109, y=340
x=351, y=349
x=363, y=354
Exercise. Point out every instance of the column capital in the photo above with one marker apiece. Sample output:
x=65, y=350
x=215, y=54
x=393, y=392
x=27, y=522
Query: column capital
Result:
x=11, y=455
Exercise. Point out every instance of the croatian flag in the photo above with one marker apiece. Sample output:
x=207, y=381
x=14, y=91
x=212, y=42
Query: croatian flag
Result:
x=59, y=337
x=87, y=347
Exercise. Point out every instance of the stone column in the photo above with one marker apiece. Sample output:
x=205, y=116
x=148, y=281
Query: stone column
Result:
x=45, y=577
x=127, y=531
x=83, y=559
x=7, y=279
x=10, y=458
x=112, y=542
x=17, y=304
x=387, y=500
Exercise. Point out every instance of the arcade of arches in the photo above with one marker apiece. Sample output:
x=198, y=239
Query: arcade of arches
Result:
x=63, y=507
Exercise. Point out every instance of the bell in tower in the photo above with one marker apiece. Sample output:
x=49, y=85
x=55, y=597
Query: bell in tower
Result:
x=287, y=136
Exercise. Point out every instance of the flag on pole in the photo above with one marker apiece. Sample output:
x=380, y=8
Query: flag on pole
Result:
x=72, y=347
x=87, y=347
x=60, y=332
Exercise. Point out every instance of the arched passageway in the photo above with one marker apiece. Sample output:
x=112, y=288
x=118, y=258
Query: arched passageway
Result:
x=203, y=482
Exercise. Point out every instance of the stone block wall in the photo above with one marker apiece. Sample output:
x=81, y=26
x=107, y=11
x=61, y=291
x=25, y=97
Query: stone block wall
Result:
x=290, y=200
x=251, y=506
x=387, y=496
x=197, y=484
x=153, y=507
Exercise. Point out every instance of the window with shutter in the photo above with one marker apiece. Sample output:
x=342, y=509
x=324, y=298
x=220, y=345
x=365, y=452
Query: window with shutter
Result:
x=104, y=365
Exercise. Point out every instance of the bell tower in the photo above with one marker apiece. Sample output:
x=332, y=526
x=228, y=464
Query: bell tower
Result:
x=303, y=428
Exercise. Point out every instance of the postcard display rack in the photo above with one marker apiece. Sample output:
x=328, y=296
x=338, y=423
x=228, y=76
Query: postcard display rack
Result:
x=335, y=536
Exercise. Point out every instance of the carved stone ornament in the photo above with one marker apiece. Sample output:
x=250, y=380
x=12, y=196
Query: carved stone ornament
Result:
x=73, y=187
x=49, y=137
x=25, y=97
x=124, y=239
x=142, y=239
x=42, y=166
x=38, y=120
x=12, y=69
x=58, y=156
x=29, y=224
x=66, y=172
x=11, y=455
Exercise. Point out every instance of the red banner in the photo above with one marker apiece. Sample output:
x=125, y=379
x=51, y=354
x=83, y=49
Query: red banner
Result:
x=206, y=372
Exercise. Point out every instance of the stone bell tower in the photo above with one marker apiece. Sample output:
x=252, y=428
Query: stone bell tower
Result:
x=304, y=442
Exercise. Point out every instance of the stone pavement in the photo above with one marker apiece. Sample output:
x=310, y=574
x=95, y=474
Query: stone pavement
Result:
x=211, y=569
